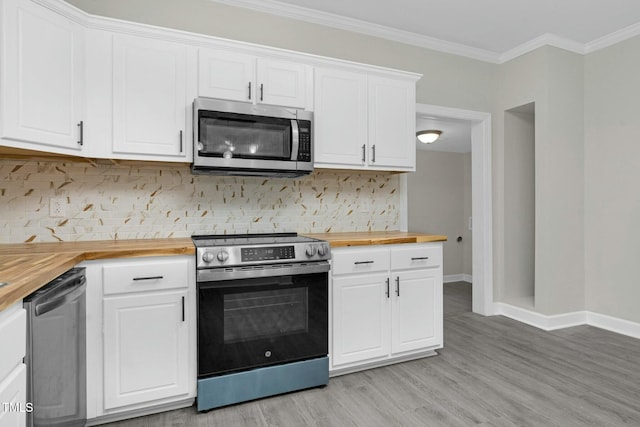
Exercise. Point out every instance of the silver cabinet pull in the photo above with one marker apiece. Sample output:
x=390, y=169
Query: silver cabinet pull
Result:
x=418, y=258
x=363, y=262
x=373, y=153
x=261, y=92
x=181, y=140
x=81, y=133
x=387, y=288
x=364, y=152
x=137, y=279
x=249, y=91
x=398, y=285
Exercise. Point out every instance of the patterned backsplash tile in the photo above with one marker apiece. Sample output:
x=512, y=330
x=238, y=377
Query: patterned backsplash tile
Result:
x=140, y=200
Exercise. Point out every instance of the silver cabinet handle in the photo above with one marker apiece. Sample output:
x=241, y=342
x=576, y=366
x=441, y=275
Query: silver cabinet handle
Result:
x=249, y=91
x=373, y=153
x=137, y=279
x=363, y=262
x=181, y=140
x=398, y=285
x=364, y=152
x=81, y=133
x=261, y=92
x=387, y=288
x=418, y=258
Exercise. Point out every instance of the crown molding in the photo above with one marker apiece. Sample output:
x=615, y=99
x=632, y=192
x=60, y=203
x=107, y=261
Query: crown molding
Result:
x=613, y=38
x=278, y=8
x=547, y=39
x=355, y=25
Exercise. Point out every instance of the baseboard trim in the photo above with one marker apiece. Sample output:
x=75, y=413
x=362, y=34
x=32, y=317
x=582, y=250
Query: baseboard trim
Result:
x=567, y=320
x=613, y=324
x=457, y=278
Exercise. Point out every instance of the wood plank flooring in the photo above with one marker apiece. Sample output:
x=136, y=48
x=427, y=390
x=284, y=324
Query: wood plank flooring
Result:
x=493, y=371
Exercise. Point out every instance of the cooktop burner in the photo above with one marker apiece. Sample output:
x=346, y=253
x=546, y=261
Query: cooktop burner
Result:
x=227, y=250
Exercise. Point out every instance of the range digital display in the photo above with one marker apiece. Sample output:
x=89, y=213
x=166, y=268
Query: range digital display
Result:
x=267, y=253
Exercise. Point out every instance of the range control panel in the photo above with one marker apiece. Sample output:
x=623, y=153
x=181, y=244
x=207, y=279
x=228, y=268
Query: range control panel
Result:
x=267, y=253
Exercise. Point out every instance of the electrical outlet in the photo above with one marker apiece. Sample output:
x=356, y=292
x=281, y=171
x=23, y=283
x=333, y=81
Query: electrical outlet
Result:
x=57, y=208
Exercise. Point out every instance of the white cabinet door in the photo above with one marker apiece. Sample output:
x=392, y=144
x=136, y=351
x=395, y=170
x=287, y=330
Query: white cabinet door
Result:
x=43, y=80
x=13, y=398
x=340, y=118
x=226, y=75
x=416, y=311
x=149, y=97
x=392, y=123
x=145, y=347
x=281, y=83
x=360, y=318
x=241, y=77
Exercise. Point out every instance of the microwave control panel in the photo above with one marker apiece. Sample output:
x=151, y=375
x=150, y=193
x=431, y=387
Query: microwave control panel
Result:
x=304, y=147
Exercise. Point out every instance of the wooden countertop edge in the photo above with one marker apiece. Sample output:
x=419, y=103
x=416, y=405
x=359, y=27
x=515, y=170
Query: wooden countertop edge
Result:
x=67, y=259
x=339, y=240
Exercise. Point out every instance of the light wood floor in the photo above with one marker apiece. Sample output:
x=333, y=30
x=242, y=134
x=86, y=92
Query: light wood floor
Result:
x=493, y=371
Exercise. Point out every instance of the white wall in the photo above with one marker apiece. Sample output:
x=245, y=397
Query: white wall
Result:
x=553, y=79
x=437, y=194
x=612, y=174
x=519, y=199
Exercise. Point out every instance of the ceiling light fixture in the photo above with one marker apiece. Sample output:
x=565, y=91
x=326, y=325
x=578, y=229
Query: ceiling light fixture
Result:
x=428, y=136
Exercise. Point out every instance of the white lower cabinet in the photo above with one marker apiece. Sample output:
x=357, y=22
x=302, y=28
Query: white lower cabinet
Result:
x=143, y=358
x=145, y=348
x=386, y=304
x=13, y=373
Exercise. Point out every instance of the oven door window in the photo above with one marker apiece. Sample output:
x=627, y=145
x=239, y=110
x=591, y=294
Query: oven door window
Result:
x=243, y=324
x=231, y=135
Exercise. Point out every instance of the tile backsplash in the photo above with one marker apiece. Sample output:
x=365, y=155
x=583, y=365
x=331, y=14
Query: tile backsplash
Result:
x=154, y=200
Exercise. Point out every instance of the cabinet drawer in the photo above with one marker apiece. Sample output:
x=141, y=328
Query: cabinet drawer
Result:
x=416, y=256
x=354, y=261
x=137, y=276
x=13, y=330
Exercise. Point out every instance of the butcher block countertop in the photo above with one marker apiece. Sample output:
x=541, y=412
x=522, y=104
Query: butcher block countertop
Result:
x=338, y=240
x=26, y=267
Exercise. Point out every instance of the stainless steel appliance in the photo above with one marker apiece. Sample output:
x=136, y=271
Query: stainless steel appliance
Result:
x=56, y=352
x=262, y=316
x=236, y=138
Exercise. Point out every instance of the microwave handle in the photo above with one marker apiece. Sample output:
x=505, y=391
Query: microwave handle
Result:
x=295, y=140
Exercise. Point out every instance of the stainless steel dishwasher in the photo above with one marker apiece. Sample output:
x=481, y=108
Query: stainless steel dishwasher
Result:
x=56, y=352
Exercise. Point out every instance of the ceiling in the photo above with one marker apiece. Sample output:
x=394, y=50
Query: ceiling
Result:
x=490, y=30
x=455, y=138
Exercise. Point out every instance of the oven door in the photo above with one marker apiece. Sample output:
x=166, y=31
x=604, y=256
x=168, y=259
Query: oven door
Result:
x=255, y=322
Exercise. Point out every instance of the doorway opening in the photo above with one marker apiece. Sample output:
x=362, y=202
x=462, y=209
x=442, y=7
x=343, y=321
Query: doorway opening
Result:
x=479, y=133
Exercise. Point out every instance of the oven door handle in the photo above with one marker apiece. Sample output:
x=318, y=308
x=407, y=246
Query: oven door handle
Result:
x=212, y=277
x=257, y=282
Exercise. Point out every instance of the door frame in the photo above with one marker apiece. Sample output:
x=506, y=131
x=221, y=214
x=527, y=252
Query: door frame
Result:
x=481, y=201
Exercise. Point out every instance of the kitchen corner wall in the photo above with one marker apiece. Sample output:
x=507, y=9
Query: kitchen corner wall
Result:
x=152, y=200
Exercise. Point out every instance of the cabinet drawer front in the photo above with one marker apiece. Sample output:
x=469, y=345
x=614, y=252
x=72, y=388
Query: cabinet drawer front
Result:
x=146, y=275
x=353, y=261
x=416, y=256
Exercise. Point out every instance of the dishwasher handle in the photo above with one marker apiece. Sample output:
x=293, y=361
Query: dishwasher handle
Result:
x=69, y=294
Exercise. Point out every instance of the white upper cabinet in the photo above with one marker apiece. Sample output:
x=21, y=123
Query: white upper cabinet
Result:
x=340, y=125
x=150, y=103
x=364, y=121
x=392, y=123
x=43, y=79
x=243, y=77
x=226, y=75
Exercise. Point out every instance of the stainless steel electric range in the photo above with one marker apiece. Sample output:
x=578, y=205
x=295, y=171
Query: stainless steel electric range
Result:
x=262, y=316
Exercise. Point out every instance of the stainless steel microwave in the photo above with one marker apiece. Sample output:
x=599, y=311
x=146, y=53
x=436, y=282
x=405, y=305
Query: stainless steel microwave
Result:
x=235, y=138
